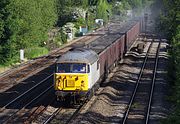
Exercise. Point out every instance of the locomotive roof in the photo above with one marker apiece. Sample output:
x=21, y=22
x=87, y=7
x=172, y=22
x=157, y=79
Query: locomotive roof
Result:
x=79, y=55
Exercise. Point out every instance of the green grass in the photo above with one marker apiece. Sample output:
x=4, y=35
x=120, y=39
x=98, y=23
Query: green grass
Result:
x=3, y=68
x=35, y=52
x=29, y=54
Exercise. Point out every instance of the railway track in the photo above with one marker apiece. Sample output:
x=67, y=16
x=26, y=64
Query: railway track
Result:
x=42, y=114
x=22, y=103
x=64, y=115
x=49, y=114
x=141, y=99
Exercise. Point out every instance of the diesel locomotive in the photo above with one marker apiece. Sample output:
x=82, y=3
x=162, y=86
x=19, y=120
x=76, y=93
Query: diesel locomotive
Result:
x=76, y=72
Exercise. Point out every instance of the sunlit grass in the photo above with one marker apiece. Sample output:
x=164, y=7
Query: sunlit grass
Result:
x=4, y=68
x=35, y=52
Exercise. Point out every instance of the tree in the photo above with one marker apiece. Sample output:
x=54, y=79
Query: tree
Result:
x=66, y=9
x=135, y=3
x=24, y=24
x=1, y=25
x=102, y=8
x=170, y=24
x=120, y=8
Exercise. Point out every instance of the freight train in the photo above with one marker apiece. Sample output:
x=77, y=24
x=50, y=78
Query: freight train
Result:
x=79, y=71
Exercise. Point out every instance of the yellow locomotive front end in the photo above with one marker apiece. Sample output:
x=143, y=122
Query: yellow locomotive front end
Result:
x=71, y=78
x=71, y=82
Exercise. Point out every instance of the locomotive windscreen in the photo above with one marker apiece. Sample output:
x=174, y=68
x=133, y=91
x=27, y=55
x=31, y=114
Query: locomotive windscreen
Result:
x=72, y=68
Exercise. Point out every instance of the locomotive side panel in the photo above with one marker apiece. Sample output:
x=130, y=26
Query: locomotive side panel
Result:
x=94, y=74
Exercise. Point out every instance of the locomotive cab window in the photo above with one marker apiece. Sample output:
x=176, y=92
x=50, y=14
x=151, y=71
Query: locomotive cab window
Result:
x=71, y=68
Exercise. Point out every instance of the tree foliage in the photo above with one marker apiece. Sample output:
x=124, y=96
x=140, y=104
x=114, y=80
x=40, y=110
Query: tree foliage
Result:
x=24, y=23
x=135, y=3
x=66, y=9
x=103, y=9
x=170, y=24
x=121, y=8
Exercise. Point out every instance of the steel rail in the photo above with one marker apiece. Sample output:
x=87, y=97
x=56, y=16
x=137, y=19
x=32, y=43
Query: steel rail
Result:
x=137, y=84
x=34, y=113
x=32, y=88
x=53, y=115
x=79, y=109
x=29, y=103
x=153, y=84
x=74, y=114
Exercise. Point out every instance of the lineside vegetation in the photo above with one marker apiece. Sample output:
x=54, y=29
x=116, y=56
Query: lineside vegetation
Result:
x=170, y=25
x=36, y=24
